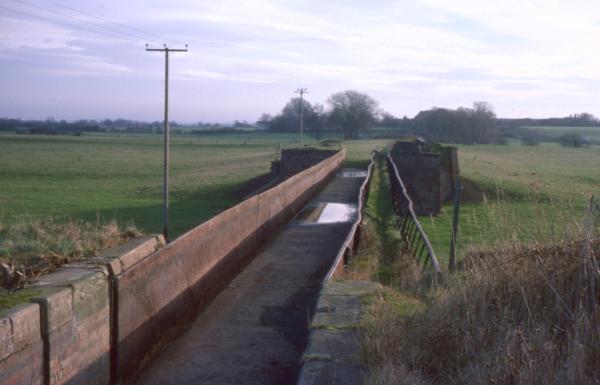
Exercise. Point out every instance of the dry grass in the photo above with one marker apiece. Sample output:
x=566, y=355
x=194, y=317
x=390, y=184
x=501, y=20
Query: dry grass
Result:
x=520, y=313
x=29, y=249
x=519, y=316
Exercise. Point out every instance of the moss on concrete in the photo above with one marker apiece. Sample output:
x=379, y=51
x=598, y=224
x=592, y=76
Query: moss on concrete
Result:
x=8, y=300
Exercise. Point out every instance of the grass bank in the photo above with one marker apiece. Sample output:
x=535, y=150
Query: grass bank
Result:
x=513, y=317
x=29, y=248
x=520, y=312
x=517, y=194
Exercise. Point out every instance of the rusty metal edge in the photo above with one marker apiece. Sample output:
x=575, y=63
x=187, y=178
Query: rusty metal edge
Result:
x=432, y=256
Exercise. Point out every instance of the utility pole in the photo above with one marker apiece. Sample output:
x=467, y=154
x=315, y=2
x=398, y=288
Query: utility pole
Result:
x=301, y=91
x=166, y=50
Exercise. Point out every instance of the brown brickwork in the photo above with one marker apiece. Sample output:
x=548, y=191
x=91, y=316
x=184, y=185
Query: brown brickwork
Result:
x=76, y=329
x=21, y=346
x=158, y=297
x=114, y=313
x=295, y=160
x=420, y=172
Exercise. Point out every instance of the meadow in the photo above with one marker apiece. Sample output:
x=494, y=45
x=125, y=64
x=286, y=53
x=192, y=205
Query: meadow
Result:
x=518, y=194
x=522, y=193
x=592, y=133
x=511, y=316
x=119, y=176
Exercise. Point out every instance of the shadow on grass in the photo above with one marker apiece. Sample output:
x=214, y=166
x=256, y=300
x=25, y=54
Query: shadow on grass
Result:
x=186, y=210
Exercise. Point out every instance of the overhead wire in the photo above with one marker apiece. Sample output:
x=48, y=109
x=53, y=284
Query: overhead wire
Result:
x=136, y=33
x=136, y=30
x=59, y=22
x=112, y=32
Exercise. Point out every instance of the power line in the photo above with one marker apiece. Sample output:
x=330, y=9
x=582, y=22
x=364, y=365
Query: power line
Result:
x=59, y=22
x=114, y=33
x=136, y=30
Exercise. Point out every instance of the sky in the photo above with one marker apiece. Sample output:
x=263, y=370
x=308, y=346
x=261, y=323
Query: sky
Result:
x=72, y=59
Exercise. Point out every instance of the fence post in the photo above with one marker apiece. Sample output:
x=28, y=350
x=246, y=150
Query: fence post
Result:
x=455, y=210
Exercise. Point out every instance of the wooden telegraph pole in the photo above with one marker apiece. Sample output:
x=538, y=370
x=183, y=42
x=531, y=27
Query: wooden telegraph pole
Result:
x=301, y=91
x=166, y=50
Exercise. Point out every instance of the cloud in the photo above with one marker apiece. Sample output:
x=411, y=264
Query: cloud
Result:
x=441, y=50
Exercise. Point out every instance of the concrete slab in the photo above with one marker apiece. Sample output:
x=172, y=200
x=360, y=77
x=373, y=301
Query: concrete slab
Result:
x=256, y=330
x=333, y=355
x=338, y=372
x=333, y=344
x=339, y=311
x=66, y=275
x=349, y=288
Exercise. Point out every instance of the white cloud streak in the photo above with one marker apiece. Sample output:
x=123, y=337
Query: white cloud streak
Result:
x=524, y=50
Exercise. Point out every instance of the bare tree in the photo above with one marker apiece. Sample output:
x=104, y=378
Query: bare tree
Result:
x=352, y=111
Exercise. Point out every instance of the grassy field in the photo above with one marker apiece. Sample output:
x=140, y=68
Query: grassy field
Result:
x=120, y=176
x=510, y=317
x=531, y=193
x=592, y=133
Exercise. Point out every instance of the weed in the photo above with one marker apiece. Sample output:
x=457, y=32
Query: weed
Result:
x=31, y=248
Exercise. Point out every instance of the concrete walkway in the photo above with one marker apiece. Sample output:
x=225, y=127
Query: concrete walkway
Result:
x=256, y=330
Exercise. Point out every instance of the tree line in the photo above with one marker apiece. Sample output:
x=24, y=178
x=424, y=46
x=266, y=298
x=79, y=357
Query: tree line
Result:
x=576, y=120
x=350, y=112
x=51, y=126
x=354, y=113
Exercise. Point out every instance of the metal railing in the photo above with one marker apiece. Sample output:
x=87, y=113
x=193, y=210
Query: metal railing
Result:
x=351, y=243
x=411, y=231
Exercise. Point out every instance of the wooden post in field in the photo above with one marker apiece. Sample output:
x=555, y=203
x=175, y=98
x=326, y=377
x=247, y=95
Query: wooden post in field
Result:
x=301, y=91
x=455, y=210
x=166, y=50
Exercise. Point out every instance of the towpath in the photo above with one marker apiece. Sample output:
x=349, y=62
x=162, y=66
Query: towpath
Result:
x=255, y=331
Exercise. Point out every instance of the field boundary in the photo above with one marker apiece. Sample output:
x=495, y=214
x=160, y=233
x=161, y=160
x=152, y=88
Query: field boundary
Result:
x=410, y=228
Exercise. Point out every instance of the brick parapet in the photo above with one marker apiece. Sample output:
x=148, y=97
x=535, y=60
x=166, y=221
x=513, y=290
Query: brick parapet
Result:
x=295, y=160
x=98, y=322
x=164, y=292
x=21, y=346
x=63, y=336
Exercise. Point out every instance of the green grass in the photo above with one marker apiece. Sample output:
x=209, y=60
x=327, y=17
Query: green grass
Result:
x=8, y=300
x=554, y=132
x=380, y=255
x=375, y=257
x=533, y=194
x=120, y=175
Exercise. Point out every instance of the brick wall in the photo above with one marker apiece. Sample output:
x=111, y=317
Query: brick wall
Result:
x=449, y=172
x=420, y=172
x=75, y=326
x=63, y=337
x=157, y=297
x=99, y=322
x=295, y=160
x=21, y=346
